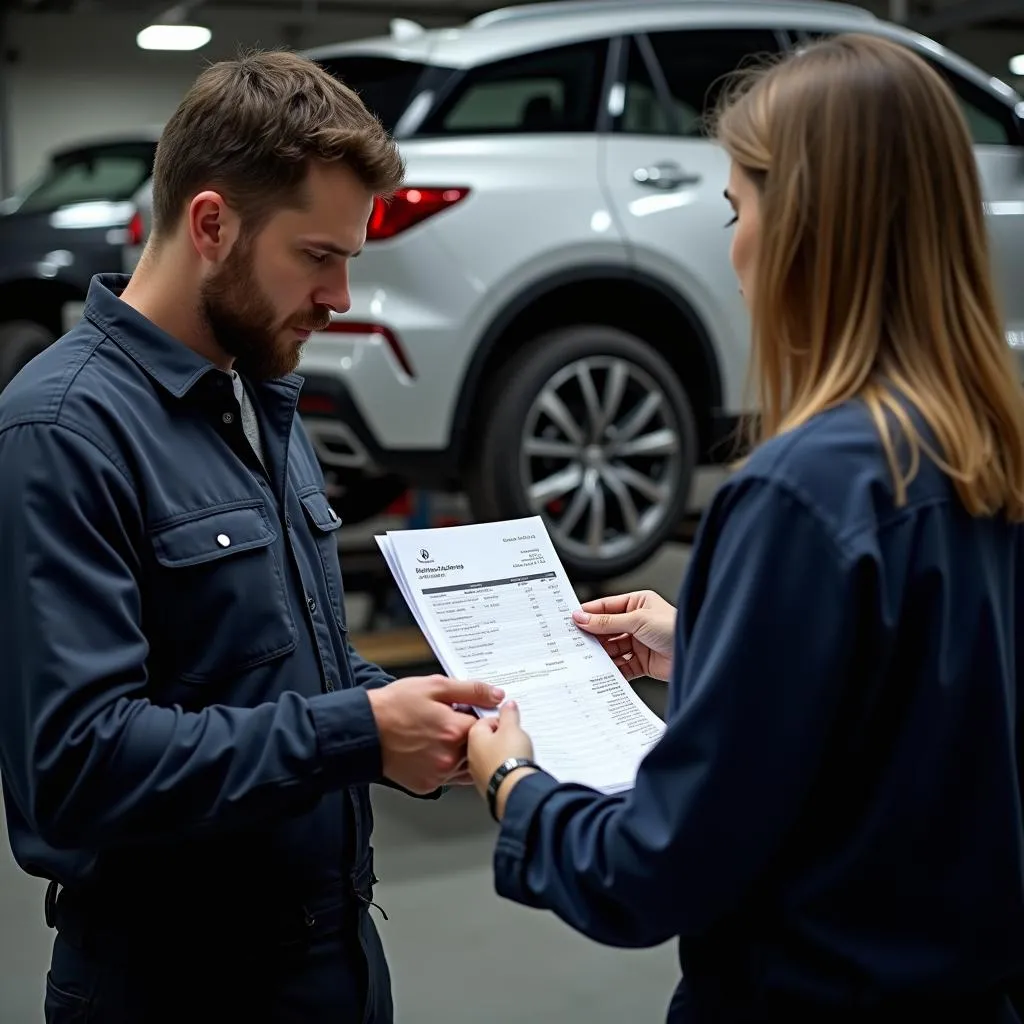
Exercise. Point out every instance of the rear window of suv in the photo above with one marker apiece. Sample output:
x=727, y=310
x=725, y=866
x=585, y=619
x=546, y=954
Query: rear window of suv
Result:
x=990, y=120
x=556, y=90
x=103, y=173
x=386, y=85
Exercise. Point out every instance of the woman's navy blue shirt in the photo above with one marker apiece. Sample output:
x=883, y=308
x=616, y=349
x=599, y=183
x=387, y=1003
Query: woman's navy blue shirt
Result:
x=831, y=825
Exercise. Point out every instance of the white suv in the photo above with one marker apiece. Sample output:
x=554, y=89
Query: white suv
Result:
x=545, y=317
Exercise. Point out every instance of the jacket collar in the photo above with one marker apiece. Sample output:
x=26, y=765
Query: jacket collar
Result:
x=171, y=363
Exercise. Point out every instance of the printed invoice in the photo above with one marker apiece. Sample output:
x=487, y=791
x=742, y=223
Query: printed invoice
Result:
x=495, y=604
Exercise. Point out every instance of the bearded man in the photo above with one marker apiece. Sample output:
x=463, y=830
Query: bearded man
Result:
x=187, y=736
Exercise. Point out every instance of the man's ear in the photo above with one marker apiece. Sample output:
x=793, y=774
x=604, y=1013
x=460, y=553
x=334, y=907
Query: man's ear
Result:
x=213, y=226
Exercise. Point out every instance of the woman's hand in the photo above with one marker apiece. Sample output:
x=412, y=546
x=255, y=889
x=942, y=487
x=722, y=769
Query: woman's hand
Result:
x=637, y=630
x=492, y=741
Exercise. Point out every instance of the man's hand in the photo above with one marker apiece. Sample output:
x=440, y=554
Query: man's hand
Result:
x=422, y=736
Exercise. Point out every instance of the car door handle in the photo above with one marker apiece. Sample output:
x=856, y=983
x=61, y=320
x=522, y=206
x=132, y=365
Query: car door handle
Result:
x=666, y=175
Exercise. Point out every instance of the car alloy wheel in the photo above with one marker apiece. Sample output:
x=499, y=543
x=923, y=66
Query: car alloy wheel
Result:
x=601, y=456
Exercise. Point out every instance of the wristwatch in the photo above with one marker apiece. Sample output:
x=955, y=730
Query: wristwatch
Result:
x=506, y=767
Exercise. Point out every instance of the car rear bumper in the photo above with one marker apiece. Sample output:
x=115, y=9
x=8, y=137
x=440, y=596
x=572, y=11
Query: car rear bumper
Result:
x=345, y=441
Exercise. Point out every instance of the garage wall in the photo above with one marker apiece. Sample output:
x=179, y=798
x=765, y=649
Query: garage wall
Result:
x=78, y=75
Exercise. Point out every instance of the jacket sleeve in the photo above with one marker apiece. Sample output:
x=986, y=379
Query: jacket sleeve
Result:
x=89, y=760
x=756, y=683
x=367, y=675
x=371, y=677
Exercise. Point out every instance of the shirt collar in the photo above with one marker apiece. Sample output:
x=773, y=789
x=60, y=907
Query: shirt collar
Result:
x=170, y=362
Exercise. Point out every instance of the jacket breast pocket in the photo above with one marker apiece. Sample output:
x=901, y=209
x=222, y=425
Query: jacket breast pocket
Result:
x=220, y=602
x=324, y=524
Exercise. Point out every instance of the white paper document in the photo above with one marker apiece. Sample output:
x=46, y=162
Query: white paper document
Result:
x=495, y=605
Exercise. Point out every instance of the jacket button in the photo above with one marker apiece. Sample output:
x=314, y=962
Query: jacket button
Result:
x=228, y=417
x=223, y=540
x=288, y=521
x=329, y=686
x=311, y=602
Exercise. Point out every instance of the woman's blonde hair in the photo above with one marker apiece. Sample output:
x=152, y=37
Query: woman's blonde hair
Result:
x=873, y=276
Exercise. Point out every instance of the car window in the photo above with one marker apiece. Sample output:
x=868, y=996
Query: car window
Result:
x=556, y=90
x=990, y=121
x=643, y=112
x=386, y=85
x=694, y=64
x=110, y=173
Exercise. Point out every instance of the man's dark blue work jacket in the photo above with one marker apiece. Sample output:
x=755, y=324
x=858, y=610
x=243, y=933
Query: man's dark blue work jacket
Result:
x=182, y=713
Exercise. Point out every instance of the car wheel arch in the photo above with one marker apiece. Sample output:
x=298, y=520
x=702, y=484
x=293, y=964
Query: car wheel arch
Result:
x=520, y=314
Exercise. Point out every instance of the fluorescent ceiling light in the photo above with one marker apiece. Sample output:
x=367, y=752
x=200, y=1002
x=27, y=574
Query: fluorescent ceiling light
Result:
x=173, y=37
x=1017, y=65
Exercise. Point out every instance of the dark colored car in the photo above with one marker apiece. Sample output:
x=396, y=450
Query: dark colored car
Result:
x=70, y=223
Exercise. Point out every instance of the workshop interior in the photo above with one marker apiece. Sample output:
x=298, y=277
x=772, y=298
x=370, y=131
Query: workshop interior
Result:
x=544, y=327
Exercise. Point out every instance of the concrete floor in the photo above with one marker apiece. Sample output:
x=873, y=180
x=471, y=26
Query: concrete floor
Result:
x=458, y=954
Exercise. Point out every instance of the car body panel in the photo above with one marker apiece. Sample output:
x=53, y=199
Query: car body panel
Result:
x=395, y=389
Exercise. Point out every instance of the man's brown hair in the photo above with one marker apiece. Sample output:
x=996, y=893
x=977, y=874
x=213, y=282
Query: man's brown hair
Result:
x=249, y=129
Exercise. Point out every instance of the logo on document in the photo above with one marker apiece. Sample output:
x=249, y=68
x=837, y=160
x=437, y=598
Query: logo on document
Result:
x=425, y=555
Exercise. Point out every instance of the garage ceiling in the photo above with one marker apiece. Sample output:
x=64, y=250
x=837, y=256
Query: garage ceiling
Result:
x=450, y=10
x=940, y=16
x=934, y=17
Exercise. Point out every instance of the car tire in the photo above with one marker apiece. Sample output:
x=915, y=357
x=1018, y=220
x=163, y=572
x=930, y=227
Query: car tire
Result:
x=20, y=342
x=611, y=483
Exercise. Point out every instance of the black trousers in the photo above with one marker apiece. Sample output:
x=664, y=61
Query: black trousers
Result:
x=331, y=968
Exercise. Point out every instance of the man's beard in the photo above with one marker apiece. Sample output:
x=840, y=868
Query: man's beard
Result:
x=244, y=324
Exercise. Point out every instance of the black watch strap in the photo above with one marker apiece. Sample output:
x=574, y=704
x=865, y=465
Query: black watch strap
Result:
x=503, y=769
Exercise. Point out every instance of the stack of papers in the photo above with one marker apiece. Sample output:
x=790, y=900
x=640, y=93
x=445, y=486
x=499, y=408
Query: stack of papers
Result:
x=495, y=605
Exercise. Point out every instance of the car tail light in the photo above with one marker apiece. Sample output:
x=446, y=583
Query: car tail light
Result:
x=133, y=232
x=389, y=336
x=408, y=207
x=316, y=405
x=401, y=506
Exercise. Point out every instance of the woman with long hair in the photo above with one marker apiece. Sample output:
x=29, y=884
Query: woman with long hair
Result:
x=831, y=824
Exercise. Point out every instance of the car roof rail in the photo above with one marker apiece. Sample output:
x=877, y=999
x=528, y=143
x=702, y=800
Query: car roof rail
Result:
x=405, y=28
x=561, y=8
